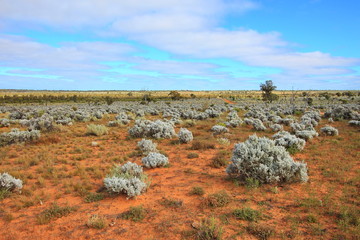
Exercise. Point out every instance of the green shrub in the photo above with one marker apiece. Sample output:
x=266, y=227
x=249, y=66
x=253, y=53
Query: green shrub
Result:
x=247, y=214
x=54, y=212
x=197, y=191
x=219, y=160
x=209, y=230
x=97, y=222
x=135, y=214
x=94, y=197
x=260, y=231
x=97, y=130
x=219, y=199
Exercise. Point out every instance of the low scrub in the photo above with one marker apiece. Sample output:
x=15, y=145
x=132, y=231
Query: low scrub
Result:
x=97, y=130
x=54, y=212
x=261, y=159
x=128, y=179
x=219, y=199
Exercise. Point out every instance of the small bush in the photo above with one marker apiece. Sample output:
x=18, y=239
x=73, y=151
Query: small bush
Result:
x=223, y=141
x=329, y=130
x=94, y=197
x=128, y=179
x=219, y=199
x=17, y=136
x=217, y=129
x=54, y=212
x=202, y=145
x=306, y=134
x=258, y=125
x=219, y=160
x=290, y=142
x=153, y=160
x=209, y=230
x=192, y=155
x=97, y=222
x=260, y=231
x=157, y=129
x=173, y=203
x=185, y=135
x=247, y=214
x=4, y=193
x=197, y=191
x=9, y=183
x=252, y=183
x=261, y=159
x=276, y=127
x=97, y=130
x=146, y=146
x=135, y=214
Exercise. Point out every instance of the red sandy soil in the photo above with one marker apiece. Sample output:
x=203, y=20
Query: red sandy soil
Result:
x=68, y=158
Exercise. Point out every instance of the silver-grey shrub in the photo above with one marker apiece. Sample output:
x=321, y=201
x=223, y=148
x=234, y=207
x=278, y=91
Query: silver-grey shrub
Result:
x=43, y=123
x=233, y=119
x=154, y=159
x=276, y=127
x=329, y=130
x=9, y=183
x=4, y=122
x=258, y=125
x=132, y=187
x=128, y=179
x=146, y=146
x=306, y=134
x=185, y=135
x=354, y=123
x=218, y=129
x=260, y=159
x=157, y=129
x=289, y=141
x=17, y=136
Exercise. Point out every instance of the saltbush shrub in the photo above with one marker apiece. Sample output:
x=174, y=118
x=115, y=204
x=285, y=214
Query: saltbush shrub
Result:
x=217, y=129
x=17, y=136
x=329, y=130
x=146, y=146
x=306, y=134
x=261, y=159
x=4, y=122
x=9, y=183
x=157, y=129
x=258, y=125
x=354, y=123
x=185, y=135
x=128, y=179
x=233, y=119
x=43, y=123
x=289, y=141
x=154, y=159
x=276, y=127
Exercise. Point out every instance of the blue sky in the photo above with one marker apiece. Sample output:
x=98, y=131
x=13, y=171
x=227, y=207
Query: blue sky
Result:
x=187, y=44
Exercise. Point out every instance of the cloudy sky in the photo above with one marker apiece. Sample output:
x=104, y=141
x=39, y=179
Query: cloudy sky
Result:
x=179, y=44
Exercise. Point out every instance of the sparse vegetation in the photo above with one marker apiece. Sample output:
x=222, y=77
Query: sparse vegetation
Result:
x=69, y=167
x=135, y=214
x=219, y=199
x=53, y=212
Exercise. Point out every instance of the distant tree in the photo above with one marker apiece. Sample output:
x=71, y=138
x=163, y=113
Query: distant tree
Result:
x=267, y=89
x=192, y=95
x=175, y=95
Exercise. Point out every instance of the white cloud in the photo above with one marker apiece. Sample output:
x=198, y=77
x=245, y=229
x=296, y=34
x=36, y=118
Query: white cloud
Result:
x=189, y=28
